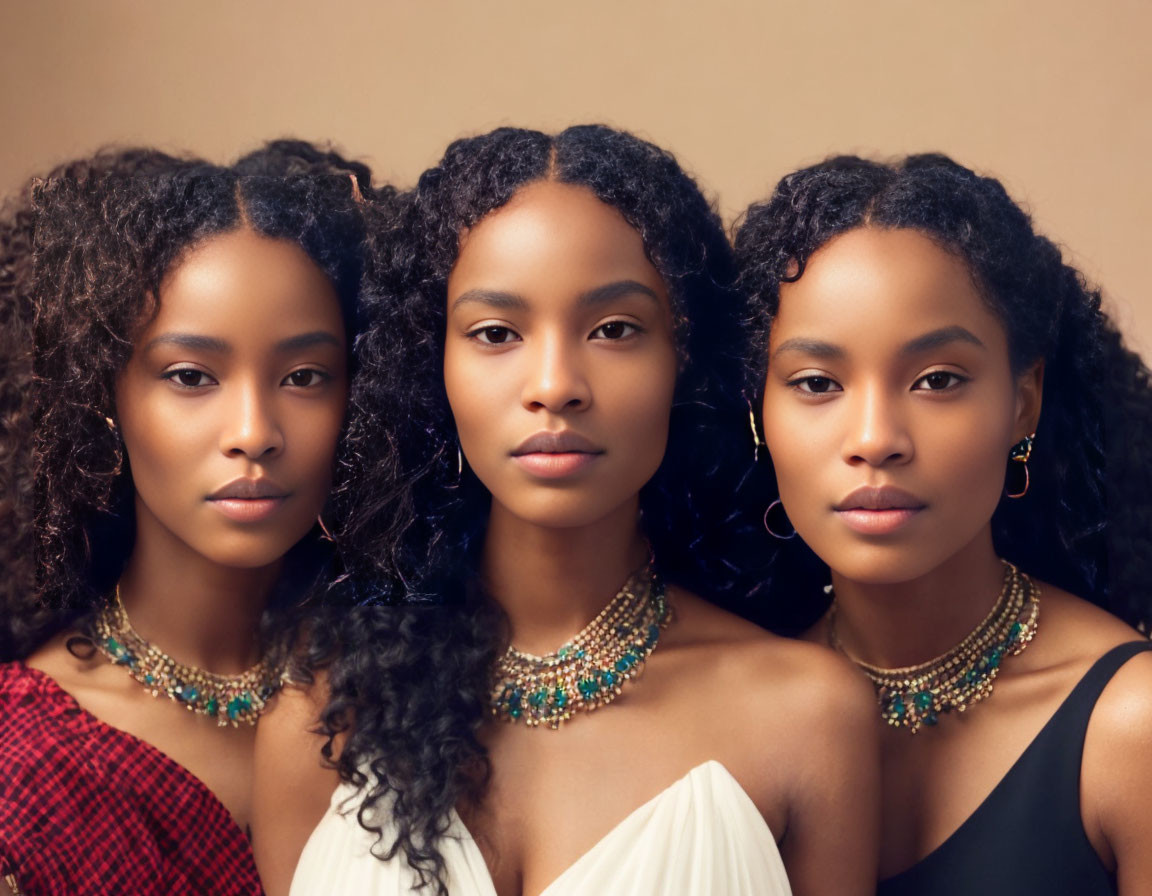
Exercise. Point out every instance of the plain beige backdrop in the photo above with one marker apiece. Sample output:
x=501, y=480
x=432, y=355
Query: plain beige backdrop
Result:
x=1054, y=97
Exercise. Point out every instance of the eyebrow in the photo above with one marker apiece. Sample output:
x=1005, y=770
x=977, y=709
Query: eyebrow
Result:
x=597, y=296
x=814, y=347
x=929, y=341
x=196, y=342
x=937, y=338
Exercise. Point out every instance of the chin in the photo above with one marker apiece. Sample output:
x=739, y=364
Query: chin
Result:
x=881, y=564
x=563, y=511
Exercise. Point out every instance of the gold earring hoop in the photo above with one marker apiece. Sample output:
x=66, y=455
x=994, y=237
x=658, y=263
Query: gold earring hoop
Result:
x=783, y=513
x=1020, y=453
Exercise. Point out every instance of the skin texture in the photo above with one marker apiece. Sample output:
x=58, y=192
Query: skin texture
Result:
x=525, y=351
x=937, y=423
x=558, y=548
x=194, y=419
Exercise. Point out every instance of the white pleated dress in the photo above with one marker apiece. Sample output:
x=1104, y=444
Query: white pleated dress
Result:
x=702, y=836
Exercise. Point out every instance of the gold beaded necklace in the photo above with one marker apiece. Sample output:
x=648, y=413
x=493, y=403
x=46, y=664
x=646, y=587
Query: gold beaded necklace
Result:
x=589, y=670
x=229, y=699
x=914, y=696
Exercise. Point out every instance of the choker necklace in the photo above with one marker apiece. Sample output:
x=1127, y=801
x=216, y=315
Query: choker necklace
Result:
x=589, y=670
x=230, y=699
x=963, y=676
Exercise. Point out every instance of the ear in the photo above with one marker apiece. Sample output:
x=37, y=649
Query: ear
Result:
x=1029, y=397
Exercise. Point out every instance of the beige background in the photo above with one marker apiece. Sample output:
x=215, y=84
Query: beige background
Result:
x=1055, y=97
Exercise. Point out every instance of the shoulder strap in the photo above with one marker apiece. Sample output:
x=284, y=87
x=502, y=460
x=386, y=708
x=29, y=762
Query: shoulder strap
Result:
x=1067, y=728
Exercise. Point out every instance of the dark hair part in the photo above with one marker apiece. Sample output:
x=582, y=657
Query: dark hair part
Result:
x=85, y=251
x=415, y=677
x=1086, y=522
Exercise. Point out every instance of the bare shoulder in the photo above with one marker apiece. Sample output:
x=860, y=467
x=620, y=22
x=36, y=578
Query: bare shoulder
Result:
x=1073, y=633
x=812, y=684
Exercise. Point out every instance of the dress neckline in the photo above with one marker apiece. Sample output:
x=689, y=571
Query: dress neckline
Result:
x=713, y=769
x=90, y=723
x=1013, y=770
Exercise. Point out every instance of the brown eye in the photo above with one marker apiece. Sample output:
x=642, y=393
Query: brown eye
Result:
x=614, y=329
x=189, y=378
x=493, y=335
x=817, y=385
x=304, y=378
x=938, y=381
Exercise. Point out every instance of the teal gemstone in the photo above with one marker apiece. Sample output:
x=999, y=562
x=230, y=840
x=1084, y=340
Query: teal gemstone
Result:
x=515, y=704
x=233, y=708
x=187, y=694
x=127, y=658
x=580, y=654
x=899, y=710
x=653, y=636
x=622, y=665
x=560, y=698
x=1014, y=632
x=538, y=699
x=212, y=707
x=993, y=656
x=564, y=651
x=588, y=687
x=149, y=678
x=608, y=679
x=922, y=701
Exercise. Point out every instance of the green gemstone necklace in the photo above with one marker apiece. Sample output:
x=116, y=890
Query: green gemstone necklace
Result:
x=914, y=696
x=229, y=699
x=589, y=670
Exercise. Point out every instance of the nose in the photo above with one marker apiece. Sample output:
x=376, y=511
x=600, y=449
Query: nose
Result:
x=556, y=379
x=877, y=434
x=251, y=427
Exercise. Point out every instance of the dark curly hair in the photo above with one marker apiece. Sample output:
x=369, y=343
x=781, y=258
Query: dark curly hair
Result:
x=84, y=253
x=1086, y=523
x=415, y=676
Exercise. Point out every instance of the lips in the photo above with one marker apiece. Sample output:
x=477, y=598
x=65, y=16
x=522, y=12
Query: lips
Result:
x=563, y=442
x=248, y=500
x=878, y=510
x=556, y=455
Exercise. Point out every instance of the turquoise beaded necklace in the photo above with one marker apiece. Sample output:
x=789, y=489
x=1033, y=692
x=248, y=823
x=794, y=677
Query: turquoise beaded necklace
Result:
x=590, y=669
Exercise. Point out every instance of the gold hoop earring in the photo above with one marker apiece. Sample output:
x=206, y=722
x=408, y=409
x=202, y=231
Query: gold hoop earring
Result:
x=768, y=525
x=1020, y=453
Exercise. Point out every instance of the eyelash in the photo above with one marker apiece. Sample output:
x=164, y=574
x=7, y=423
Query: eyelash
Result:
x=956, y=381
x=320, y=377
x=480, y=332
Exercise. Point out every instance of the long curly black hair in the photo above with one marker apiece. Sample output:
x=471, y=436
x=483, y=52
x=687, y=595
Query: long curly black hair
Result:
x=84, y=251
x=1086, y=522
x=415, y=676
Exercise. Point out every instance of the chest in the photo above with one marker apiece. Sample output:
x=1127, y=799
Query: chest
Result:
x=959, y=772
x=557, y=796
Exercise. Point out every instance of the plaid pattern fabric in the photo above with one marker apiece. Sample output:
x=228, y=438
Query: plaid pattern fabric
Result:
x=87, y=809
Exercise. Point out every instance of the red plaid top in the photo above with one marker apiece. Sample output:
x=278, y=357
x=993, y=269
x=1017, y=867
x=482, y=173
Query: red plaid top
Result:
x=88, y=809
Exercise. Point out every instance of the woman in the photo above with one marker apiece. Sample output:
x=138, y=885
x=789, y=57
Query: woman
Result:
x=190, y=326
x=912, y=321
x=567, y=353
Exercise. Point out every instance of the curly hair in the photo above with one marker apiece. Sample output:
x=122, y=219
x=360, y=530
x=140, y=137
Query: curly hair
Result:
x=1086, y=523
x=84, y=254
x=414, y=677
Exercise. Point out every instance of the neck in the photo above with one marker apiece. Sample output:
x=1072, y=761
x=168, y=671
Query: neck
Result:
x=552, y=582
x=198, y=612
x=900, y=624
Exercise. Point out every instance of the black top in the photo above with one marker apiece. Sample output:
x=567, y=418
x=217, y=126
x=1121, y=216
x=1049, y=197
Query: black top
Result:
x=1027, y=836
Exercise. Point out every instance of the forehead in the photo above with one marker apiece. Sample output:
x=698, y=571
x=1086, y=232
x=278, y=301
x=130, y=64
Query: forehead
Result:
x=874, y=287
x=551, y=238
x=241, y=283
